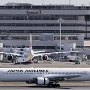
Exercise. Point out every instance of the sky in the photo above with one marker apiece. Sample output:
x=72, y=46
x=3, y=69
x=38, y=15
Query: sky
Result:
x=38, y=2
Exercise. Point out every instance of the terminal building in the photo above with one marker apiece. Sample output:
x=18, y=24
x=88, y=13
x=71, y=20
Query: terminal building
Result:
x=19, y=20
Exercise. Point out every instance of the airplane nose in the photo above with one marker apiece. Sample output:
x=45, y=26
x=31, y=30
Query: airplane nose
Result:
x=30, y=55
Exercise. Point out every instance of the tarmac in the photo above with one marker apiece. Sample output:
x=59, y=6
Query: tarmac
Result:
x=44, y=64
x=48, y=64
x=44, y=88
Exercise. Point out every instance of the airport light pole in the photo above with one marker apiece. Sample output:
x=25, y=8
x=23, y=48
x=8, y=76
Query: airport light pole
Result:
x=60, y=21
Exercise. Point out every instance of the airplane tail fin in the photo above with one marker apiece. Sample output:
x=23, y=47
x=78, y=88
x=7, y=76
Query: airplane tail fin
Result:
x=30, y=45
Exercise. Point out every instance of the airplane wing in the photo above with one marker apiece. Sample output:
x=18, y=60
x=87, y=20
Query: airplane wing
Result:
x=39, y=51
x=15, y=54
x=63, y=77
x=41, y=54
x=78, y=51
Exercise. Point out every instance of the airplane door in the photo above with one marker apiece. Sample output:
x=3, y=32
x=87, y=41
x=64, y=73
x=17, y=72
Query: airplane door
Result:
x=1, y=76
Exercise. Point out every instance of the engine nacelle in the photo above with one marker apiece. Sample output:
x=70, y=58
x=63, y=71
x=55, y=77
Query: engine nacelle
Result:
x=9, y=57
x=45, y=57
x=42, y=81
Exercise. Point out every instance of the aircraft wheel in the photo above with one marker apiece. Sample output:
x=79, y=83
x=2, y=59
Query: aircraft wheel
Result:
x=53, y=85
x=50, y=85
x=56, y=85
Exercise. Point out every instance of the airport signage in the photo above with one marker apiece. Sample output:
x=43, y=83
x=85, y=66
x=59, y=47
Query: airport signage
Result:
x=33, y=12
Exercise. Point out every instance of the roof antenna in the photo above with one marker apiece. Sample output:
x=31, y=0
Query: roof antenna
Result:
x=69, y=2
x=43, y=2
x=65, y=1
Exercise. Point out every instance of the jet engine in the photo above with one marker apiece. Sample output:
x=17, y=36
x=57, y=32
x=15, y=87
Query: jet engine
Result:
x=42, y=81
x=45, y=57
x=9, y=57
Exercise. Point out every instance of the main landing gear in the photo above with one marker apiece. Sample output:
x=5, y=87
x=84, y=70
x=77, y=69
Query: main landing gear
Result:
x=53, y=85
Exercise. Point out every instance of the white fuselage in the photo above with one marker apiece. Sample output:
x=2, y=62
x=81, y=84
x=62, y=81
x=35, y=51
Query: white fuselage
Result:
x=27, y=74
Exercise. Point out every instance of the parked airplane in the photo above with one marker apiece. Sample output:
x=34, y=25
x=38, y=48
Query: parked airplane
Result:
x=30, y=53
x=44, y=76
x=76, y=55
